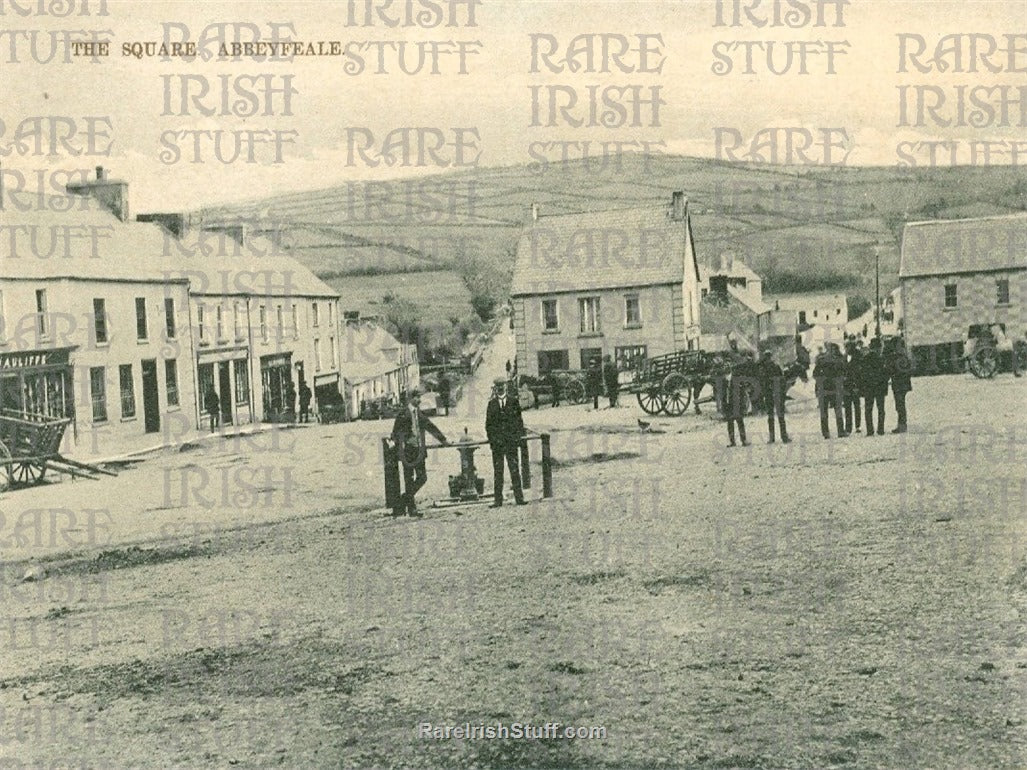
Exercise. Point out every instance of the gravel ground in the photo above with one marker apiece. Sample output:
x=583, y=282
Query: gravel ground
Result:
x=844, y=603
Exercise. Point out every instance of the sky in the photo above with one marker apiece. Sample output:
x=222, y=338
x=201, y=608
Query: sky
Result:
x=846, y=108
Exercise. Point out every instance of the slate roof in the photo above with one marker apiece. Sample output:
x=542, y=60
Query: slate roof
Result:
x=603, y=250
x=368, y=350
x=77, y=238
x=950, y=246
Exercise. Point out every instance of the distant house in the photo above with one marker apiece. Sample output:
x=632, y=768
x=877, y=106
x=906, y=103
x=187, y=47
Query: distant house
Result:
x=623, y=283
x=727, y=270
x=957, y=273
x=376, y=364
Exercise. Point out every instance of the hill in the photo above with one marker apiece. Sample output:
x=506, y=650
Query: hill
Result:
x=801, y=228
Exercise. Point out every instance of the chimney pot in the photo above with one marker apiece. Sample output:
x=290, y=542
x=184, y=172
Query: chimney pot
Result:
x=677, y=206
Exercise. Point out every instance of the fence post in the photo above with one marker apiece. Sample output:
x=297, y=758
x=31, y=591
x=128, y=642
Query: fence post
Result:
x=525, y=466
x=547, y=468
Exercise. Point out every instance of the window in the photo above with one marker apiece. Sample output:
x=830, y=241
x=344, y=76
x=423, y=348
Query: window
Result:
x=295, y=322
x=141, y=318
x=588, y=355
x=201, y=316
x=169, y=317
x=629, y=356
x=1002, y=291
x=334, y=352
x=950, y=295
x=331, y=315
x=588, y=308
x=552, y=359
x=550, y=315
x=263, y=323
x=242, y=382
x=42, y=321
x=814, y=313
x=632, y=311
x=128, y=393
x=98, y=392
x=219, y=321
x=280, y=322
x=802, y=317
x=317, y=355
x=100, y=321
x=171, y=381
x=237, y=320
x=315, y=316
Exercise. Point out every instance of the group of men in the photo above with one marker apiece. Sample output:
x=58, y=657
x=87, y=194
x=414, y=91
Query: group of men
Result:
x=504, y=429
x=842, y=379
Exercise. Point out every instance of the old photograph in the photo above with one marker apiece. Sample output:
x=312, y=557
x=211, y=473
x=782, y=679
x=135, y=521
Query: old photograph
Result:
x=486, y=384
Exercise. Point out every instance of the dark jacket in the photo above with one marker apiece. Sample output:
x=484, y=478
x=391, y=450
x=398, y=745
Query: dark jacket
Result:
x=852, y=372
x=770, y=377
x=899, y=368
x=593, y=381
x=403, y=431
x=305, y=395
x=211, y=402
x=504, y=426
x=873, y=378
x=610, y=376
x=744, y=375
x=829, y=372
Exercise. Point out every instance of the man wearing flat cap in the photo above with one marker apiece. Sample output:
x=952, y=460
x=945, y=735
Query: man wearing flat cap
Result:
x=408, y=434
x=504, y=428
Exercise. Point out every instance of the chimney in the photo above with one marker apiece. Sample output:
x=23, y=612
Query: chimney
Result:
x=112, y=194
x=677, y=206
x=534, y=212
x=174, y=223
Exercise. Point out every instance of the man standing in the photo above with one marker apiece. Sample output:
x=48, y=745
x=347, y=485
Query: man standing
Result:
x=305, y=396
x=610, y=377
x=851, y=383
x=899, y=367
x=594, y=382
x=212, y=404
x=408, y=435
x=736, y=404
x=873, y=383
x=772, y=394
x=444, y=388
x=504, y=428
x=829, y=375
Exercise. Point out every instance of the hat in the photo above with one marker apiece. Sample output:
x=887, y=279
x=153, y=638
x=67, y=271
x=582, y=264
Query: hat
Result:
x=415, y=392
x=499, y=381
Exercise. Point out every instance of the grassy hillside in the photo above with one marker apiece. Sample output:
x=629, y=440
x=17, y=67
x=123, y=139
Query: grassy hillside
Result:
x=802, y=228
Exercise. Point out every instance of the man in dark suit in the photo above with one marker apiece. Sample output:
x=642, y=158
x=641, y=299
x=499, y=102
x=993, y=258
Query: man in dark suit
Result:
x=611, y=379
x=504, y=428
x=408, y=434
x=744, y=375
x=899, y=367
x=873, y=384
x=772, y=393
x=829, y=376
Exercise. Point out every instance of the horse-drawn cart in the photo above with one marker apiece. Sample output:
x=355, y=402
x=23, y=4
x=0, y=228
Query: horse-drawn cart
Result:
x=30, y=444
x=560, y=385
x=668, y=383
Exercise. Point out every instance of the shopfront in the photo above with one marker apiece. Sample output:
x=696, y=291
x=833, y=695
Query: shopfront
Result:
x=228, y=373
x=38, y=383
x=279, y=392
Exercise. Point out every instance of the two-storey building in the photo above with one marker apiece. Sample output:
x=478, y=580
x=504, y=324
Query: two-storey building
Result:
x=622, y=282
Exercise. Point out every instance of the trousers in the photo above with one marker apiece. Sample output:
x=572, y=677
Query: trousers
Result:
x=506, y=455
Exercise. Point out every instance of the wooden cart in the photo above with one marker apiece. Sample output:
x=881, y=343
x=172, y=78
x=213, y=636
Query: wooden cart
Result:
x=30, y=444
x=666, y=383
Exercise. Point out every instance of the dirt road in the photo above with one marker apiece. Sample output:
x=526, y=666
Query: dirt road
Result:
x=849, y=603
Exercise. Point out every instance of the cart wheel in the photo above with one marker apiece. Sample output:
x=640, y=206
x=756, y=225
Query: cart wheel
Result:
x=984, y=363
x=5, y=468
x=28, y=473
x=575, y=392
x=651, y=401
x=677, y=392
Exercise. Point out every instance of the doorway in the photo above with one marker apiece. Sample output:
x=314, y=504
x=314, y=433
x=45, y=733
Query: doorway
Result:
x=225, y=391
x=151, y=397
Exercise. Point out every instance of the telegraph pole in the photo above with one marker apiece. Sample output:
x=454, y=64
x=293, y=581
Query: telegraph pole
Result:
x=877, y=289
